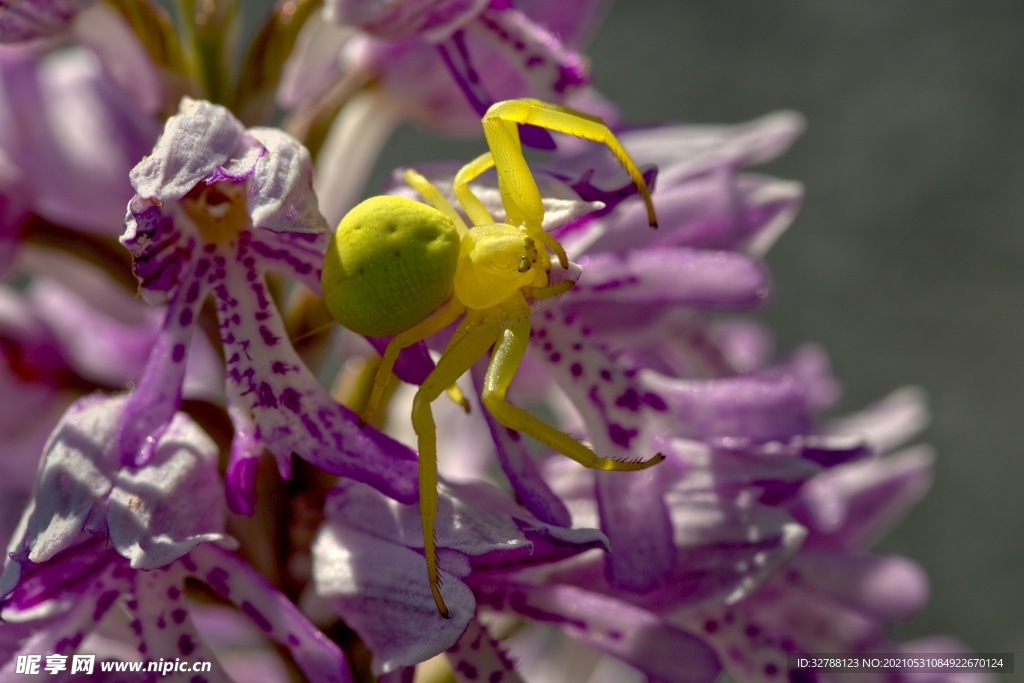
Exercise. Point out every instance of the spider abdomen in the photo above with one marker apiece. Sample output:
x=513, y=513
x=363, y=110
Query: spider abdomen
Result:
x=390, y=265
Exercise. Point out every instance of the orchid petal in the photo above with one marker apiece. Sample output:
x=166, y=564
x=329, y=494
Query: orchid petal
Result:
x=552, y=69
x=889, y=423
x=638, y=525
x=158, y=394
x=160, y=512
x=429, y=19
x=521, y=470
x=195, y=146
x=889, y=587
x=281, y=196
x=75, y=477
x=852, y=505
x=477, y=656
x=633, y=635
x=163, y=625
x=293, y=411
x=381, y=590
x=671, y=277
x=759, y=408
x=275, y=615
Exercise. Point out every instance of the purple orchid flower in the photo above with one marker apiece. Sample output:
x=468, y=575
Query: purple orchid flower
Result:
x=97, y=533
x=607, y=344
x=60, y=337
x=217, y=207
x=487, y=50
x=367, y=564
x=439, y=63
x=832, y=596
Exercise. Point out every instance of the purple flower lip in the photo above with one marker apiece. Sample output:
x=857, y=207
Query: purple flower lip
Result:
x=218, y=206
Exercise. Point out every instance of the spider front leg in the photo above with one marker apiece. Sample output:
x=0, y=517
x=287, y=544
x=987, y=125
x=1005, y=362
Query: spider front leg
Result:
x=457, y=359
x=505, y=360
x=518, y=187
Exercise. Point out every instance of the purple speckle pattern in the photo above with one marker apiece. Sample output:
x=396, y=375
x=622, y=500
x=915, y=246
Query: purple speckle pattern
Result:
x=552, y=69
x=478, y=657
x=273, y=613
x=159, y=624
x=273, y=400
x=612, y=401
x=158, y=394
x=292, y=411
x=752, y=650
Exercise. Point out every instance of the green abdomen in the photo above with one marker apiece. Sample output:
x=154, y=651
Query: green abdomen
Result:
x=391, y=264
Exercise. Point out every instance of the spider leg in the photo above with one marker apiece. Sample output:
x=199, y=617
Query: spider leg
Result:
x=435, y=323
x=472, y=319
x=457, y=359
x=508, y=156
x=473, y=206
x=436, y=199
x=505, y=359
x=552, y=290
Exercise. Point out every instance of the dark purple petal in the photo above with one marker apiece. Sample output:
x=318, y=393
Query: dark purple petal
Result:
x=756, y=407
x=637, y=523
x=414, y=362
x=522, y=472
x=67, y=573
x=158, y=394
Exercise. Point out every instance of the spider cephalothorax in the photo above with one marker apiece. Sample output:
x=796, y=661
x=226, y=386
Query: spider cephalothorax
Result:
x=399, y=267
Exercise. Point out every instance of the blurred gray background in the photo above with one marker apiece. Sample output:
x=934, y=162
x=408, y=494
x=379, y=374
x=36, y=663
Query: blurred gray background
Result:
x=907, y=260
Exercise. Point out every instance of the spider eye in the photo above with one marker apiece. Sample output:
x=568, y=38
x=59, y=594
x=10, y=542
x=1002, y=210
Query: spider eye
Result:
x=529, y=255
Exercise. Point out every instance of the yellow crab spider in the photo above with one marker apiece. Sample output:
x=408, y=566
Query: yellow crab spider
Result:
x=403, y=268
